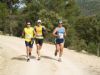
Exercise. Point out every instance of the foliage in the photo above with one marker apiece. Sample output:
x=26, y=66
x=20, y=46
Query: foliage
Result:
x=83, y=32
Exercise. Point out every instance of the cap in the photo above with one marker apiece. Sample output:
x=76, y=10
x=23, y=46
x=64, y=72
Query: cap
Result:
x=39, y=21
x=28, y=23
x=60, y=22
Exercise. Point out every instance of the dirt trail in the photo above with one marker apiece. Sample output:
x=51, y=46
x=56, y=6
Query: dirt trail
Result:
x=13, y=62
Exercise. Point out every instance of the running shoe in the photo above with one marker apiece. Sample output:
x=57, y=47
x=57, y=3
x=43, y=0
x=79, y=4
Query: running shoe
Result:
x=39, y=58
x=60, y=60
x=28, y=59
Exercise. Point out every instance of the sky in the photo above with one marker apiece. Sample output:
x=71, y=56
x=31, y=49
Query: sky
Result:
x=20, y=4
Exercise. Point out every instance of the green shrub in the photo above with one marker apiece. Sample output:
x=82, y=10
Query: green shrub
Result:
x=92, y=48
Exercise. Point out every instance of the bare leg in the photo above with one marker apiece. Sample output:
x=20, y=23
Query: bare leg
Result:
x=38, y=51
x=27, y=51
x=30, y=50
x=57, y=49
x=61, y=51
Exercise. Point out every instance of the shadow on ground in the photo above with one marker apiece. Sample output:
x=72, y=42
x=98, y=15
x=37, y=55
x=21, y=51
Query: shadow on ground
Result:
x=22, y=58
x=48, y=57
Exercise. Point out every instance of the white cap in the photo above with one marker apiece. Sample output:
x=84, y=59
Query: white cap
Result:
x=28, y=23
x=39, y=21
x=60, y=21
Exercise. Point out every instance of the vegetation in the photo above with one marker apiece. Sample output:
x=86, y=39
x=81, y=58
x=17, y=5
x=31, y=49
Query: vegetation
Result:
x=89, y=7
x=83, y=31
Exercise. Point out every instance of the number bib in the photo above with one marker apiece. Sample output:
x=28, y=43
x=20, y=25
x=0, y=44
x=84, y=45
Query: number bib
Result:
x=61, y=36
x=28, y=36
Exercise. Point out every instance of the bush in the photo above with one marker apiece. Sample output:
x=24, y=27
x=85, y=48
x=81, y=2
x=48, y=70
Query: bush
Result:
x=92, y=48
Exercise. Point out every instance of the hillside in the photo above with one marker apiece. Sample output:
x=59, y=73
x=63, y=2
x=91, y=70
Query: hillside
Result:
x=13, y=60
x=89, y=7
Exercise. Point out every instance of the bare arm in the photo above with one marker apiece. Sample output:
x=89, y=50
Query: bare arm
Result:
x=34, y=31
x=54, y=32
x=23, y=34
x=65, y=34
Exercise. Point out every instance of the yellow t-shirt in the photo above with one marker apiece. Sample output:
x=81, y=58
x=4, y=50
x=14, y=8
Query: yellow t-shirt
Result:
x=29, y=32
x=39, y=34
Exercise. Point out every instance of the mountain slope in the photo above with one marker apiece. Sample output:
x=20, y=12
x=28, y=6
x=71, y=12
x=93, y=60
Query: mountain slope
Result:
x=89, y=7
x=13, y=62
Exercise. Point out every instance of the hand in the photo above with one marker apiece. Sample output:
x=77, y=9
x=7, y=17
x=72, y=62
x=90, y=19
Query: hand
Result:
x=22, y=36
x=56, y=35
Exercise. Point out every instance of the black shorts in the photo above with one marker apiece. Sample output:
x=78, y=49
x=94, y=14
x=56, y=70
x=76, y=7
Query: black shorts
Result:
x=39, y=41
x=30, y=44
x=59, y=41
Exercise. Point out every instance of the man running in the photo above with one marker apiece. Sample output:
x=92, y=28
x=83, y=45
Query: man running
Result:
x=28, y=32
x=59, y=33
x=39, y=37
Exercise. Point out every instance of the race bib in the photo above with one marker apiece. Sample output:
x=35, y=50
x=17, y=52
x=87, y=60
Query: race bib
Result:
x=61, y=35
x=28, y=36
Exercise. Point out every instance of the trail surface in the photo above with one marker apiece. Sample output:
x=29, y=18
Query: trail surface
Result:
x=13, y=60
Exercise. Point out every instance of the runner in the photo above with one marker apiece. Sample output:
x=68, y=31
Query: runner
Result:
x=28, y=32
x=39, y=29
x=59, y=33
